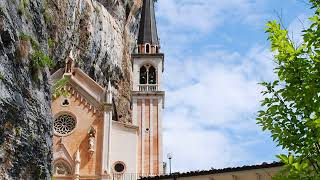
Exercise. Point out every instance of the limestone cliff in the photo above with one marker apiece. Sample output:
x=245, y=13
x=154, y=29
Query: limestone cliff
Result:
x=102, y=34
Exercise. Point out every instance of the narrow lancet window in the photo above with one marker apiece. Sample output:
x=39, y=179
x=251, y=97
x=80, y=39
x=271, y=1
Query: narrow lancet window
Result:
x=148, y=48
x=152, y=75
x=143, y=75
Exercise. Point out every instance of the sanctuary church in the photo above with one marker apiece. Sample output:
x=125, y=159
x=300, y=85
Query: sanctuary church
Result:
x=88, y=142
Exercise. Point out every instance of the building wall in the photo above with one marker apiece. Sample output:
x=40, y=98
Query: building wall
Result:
x=155, y=137
x=124, y=146
x=149, y=144
x=90, y=164
x=256, y=174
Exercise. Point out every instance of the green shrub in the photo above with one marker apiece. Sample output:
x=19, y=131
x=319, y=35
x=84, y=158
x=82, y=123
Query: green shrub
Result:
x=26, y=37
x=40, y=60
x=34, y=44
x=1, y=77
x=18, y=131
x=51, y=43
x=47, y=17
x=22, y=7
x=58, y=88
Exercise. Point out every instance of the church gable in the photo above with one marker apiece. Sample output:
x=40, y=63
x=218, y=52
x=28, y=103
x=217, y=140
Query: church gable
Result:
x=79, y=84
x=78, y=121
x=83, y=88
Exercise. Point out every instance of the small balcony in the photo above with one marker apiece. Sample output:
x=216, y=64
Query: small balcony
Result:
x=148, y=87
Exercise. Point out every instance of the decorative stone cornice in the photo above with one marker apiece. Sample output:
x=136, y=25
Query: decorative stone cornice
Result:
x=79, y=85
x=88, y=102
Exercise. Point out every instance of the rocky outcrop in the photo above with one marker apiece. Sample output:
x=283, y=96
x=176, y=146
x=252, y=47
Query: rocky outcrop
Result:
x=102, y=35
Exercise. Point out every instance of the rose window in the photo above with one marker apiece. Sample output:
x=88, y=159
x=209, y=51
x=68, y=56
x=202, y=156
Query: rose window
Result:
x=64, y=124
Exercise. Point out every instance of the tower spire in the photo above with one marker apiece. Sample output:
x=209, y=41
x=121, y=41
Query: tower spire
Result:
x=148, y=34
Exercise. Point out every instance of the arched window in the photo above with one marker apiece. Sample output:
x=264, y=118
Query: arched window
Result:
x=62, y=168
x=147, y=48
x=143, y=75
x=148, y=75
x=157, y=49
x=152, y=75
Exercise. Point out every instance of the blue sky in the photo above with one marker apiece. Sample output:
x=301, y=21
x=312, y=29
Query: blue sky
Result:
x=216, y=53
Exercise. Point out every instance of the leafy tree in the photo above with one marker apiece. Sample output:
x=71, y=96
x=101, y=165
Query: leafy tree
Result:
x=291, y=105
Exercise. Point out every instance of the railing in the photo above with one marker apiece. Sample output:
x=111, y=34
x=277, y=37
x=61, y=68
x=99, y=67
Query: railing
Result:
x=148, y=87
x=129, y=176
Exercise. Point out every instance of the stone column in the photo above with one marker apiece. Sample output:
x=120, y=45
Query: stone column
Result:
x=107, y=126
x=77, y=166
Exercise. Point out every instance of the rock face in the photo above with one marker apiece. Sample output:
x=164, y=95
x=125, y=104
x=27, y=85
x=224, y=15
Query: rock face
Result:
x=101, y=34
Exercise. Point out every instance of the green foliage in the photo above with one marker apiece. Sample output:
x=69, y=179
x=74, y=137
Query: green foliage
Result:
x=47, y=17
x=295, y=168
x=39, y=172
x=40, y=60
x=18, y=131
x=34, y=44
x=26, y=37
x=51, y=43
x=291, y=107
x=23, y=4
x=58, y=88
x=1, y=77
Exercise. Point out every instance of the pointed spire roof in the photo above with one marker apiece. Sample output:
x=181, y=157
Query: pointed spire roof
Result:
x=148, y=26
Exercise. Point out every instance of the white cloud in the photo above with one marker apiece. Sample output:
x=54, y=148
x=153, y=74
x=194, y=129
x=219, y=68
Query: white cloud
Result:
x=208, y=96
x=202, y=150
x=212, y=97
x=204, y=15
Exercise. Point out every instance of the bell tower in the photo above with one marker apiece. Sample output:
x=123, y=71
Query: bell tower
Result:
x=147, y=93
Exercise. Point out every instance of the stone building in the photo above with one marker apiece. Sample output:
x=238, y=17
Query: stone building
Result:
x=89, y=141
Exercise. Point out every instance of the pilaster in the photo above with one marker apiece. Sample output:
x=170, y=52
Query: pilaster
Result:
x=151, y=135
x=143, y=134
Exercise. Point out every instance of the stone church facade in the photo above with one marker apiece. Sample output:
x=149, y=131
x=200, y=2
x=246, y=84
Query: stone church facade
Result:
x=89, y=143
